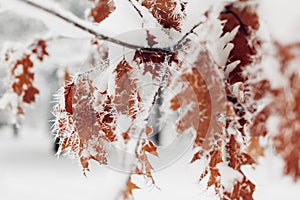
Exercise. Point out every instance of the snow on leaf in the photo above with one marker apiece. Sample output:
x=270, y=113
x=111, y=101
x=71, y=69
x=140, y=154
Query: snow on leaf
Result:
x=83, y=129
x=145, y=168
x=215, y=157
x=198, y=93
x=203, y=98
x=99, y=53
x=148, y=146
x=242, y=189
x=102, y=10
x=196, y=156
x=106, y=117
x=245, y=47
x=237, y=158
x=127, y=95
x=168, y=13
x=84, y=114
x=151, y=61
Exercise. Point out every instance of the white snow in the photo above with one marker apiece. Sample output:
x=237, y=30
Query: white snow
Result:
x=28, y=167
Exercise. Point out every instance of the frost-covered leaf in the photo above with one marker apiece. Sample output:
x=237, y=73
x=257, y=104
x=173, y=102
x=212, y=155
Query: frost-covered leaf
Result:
x=168, y=13
x=197, y=94
x=245, y=44
x=126, y=90
x=242, y=189
x=102, y=9
x=83, y=130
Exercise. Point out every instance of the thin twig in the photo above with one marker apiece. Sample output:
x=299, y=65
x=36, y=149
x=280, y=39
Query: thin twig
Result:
x=137, y=10
x=183, y=40
x=243, y=27
x=96, y=34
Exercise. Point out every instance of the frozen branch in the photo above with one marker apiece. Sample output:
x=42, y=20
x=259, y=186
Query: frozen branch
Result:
x=100, y=36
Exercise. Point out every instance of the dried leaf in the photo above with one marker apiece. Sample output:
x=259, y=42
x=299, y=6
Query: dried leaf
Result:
x=199, y=115
x=196, y=156
x=150, y=147
x=166, y=12
x=215, y=157
x=151, y=39
x=245, y=47
x=130, y=187
x=69, y=94
x=102, y=10
x=127, y=96
x=23, y=80
x=39, y=49
x=82, y=130
x=243, y=189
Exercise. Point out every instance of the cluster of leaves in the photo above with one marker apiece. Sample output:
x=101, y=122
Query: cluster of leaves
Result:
x=168, y=13
x=80, y=125
x=285, y=140
x=22, y=74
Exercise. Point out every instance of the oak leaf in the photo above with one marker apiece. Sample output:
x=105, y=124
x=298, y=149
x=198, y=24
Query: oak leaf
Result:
x=166, y=12
x=23, y=80
x=102, y=10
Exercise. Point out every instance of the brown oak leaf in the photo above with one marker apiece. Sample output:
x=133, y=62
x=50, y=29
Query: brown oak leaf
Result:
x=166, y=13
x=102, y=10
x=23, y=80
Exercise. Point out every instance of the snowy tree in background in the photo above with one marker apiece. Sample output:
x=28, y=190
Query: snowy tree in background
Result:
x=143, y=81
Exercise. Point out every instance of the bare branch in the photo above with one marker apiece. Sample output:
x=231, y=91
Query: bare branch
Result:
x=137, y=10
x=183, y=40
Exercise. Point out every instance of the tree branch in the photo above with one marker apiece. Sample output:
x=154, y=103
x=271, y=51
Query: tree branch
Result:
x=100, y=36
x=167, y=50
x=183, y=40
x=137, y=10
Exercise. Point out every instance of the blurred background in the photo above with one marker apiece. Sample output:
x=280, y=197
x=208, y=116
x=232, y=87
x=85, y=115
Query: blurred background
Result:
x=29, y=168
